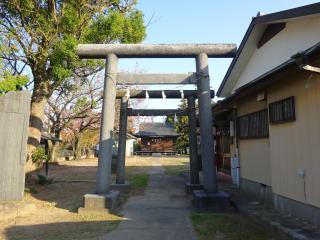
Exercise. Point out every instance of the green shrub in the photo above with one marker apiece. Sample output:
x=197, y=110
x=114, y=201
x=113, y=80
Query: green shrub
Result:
x=136, y=147
x=39, y=156
x=43, y=180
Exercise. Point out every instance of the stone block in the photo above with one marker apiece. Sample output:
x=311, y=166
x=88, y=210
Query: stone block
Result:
x=99, y=203
x=189, y=187
x=122, y=187
x=156, y=155
x=213, y=202
x=14, y=122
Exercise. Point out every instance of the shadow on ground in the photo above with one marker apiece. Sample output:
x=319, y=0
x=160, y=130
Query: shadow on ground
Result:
x=71, y=182
x=57, y=203
x=61, y=230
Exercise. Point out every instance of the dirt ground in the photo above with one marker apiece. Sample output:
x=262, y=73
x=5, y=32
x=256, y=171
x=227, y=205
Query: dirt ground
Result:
x=55, y=214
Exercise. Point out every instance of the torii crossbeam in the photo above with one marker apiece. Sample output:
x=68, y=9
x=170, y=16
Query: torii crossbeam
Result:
x=156, y=78
x=157, y=112
x=156, y=50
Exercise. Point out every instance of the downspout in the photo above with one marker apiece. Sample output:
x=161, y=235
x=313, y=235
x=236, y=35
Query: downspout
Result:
x=235, y=157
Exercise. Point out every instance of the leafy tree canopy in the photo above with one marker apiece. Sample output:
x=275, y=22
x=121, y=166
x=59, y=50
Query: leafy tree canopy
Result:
x=180, y=124
x=8, y=82
x=44, y=34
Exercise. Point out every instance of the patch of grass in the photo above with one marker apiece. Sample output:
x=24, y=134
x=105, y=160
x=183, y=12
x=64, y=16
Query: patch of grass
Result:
x=177, y=167
x=139, y=181
x=228, y=226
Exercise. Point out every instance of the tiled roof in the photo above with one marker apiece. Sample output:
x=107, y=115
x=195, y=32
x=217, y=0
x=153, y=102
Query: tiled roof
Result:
x=156, y=129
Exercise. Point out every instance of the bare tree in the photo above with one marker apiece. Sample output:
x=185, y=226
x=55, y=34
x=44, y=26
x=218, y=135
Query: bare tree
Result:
x=75, y=107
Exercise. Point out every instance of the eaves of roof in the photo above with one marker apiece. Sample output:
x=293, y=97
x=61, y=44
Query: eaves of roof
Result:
x=266, y=79
x=268, y=18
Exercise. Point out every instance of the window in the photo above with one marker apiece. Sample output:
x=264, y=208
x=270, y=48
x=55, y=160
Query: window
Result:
x=254, y=125
x=282, y=111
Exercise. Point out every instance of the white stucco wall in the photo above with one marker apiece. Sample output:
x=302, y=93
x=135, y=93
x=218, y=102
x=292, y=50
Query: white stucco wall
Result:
x=299, y=35
x=129, y=147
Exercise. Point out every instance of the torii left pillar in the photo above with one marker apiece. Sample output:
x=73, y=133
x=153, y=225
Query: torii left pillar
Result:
x=194, y=183
x=120, y=178
x=104, y=198
x=121, y=183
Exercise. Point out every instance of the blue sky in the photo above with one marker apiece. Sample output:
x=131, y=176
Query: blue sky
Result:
x=201, y=21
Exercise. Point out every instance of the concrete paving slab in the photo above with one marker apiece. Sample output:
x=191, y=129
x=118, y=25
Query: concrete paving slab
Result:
x=162, y=213
x=151, y=234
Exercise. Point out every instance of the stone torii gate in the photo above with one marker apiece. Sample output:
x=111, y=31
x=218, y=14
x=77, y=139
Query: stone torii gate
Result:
x=125, y=112
x=190, y=95
x=104, y=198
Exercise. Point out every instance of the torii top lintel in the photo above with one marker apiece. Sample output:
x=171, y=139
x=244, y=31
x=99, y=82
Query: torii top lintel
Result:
x=156, y=50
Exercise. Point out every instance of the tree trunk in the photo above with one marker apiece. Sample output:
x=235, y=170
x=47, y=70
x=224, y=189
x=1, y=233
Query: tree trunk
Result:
x=88, y=152
x=53, y=146
x=38, y=104
x=53, y=150
x=77, y=150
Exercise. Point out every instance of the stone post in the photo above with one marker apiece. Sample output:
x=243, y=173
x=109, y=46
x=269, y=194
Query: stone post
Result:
x=205, y=117
x=107, y=125
x=193, y=143
x=120, y=179
x=104, y=200
x=194, y=183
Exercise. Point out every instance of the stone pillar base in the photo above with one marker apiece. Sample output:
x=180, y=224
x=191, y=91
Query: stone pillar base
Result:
x=217, y=202
x=189, y=187
x=122, y=187
x=100, y=203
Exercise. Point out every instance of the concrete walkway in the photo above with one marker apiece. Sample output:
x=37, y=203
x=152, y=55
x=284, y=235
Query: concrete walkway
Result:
x=162, y=213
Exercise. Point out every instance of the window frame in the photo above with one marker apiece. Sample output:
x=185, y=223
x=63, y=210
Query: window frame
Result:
x=291, y=101
x=252, y=124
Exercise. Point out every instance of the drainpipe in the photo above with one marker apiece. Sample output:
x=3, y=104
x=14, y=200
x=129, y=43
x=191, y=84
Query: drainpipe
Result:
x=236, y=143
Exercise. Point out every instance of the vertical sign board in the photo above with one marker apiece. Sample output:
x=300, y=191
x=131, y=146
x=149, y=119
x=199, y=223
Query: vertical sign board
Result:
x=14, y=119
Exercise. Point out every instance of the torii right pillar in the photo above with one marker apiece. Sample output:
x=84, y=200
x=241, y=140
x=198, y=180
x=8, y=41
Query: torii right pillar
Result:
x=205, y=118
x=209, y=198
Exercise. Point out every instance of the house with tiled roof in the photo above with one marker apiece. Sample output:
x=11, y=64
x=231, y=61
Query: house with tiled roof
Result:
x=270, y=113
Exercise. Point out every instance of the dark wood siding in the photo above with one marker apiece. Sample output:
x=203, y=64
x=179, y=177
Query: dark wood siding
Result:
x=158, y=144
x=271, y=31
